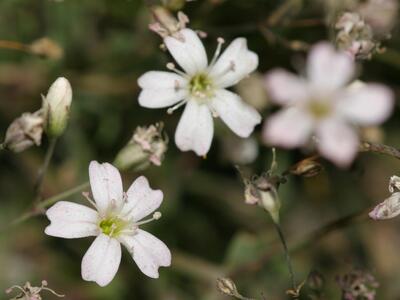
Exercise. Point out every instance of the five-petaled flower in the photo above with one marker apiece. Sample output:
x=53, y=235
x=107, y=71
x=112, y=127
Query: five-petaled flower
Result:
x=322, y=104
x=202, y=87
x=115, y=221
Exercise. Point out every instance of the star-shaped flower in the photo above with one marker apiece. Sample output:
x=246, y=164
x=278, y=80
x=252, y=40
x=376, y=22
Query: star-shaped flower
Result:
x=323, y=105
x=202, y=87
x=115, y=221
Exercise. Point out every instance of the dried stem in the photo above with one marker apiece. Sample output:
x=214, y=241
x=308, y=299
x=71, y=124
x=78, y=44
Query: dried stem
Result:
x=14, y=45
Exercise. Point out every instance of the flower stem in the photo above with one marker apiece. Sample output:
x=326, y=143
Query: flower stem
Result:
x=43, y=169
x=287, y=255
x=39, y=207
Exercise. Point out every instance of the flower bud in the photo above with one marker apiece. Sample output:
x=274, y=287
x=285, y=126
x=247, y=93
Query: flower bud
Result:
x=308, y=167
x=29, y=292
x=227, y=286
x=24, y=132
x=147, y=146
x=166, y=24
x=262, y=191
x=388, y=209
x=56, y=107
x=46, y=48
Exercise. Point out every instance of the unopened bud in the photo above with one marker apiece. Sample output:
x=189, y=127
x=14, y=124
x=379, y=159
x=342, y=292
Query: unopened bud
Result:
x=227, y=286
x=388, y=209
x=315, y=280
x=166, y=24
x=46, y=48
x=147, y=146
x=306, y=168
x=57, y=106
x=24, y=132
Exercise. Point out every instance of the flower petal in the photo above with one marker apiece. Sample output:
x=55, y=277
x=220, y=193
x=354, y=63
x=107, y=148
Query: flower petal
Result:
x=148, y=252
x=142, y=200
x=387, y=209
x=234, y=64
x=195, y=129
x=285, y=88
x=161, y=89
x=70, y=220
x=188, y=52
x=288, y=128
x=337, y=141
x=368, y=104
x=101, y=261
x=106, y=185
x=240, y=117
x=329, y=69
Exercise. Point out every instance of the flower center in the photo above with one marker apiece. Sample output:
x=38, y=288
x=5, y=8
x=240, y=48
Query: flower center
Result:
x=112, y=226
x=200, y=86
x=319, y=109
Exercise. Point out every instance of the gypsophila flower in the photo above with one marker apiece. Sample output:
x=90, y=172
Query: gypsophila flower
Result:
x=115, y=221
x=358, y=285
x=323, y=105
x=202, y=87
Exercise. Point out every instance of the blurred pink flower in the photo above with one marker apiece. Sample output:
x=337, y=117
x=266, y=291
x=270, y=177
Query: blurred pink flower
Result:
x=115, y=221
x=202, y=87
x=322, y=104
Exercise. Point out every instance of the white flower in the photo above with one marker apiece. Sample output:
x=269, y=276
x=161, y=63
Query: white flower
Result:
x=323, y=104
x=388, y=209
x=115, y=222
x=203, y=89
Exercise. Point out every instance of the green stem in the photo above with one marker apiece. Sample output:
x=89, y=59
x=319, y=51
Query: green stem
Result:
x=287, y=255
x=43, y=169
x=39, y=207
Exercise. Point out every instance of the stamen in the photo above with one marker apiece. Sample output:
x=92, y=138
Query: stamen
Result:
x=220, y=41
x=171, y=66
x=156, y=216
x=175, y=107
x=87, y=197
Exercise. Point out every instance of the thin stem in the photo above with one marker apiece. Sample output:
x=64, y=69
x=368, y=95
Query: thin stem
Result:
x=287, y=255
x=39, y=207
x=13, y=45
x=43, y=169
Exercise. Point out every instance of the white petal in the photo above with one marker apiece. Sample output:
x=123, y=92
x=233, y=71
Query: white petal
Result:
x=369, y=104
x=285, y=88
x=195, y=129
x=240, y=117
x=70, y=220
x=101, y=261
x=148, y=252
x=106, y=185
x=329, y=69
x=161, y=89
x=142, y=200
x=387, y=209
x=234, y=64
x=337, y=141
x=189, y=52
x=288, y=128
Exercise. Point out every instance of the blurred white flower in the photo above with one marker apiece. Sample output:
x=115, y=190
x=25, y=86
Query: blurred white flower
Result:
x=322, y=104
x=202, y=87
x=115, y=222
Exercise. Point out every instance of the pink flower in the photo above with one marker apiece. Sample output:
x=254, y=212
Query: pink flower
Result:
x=323, y=105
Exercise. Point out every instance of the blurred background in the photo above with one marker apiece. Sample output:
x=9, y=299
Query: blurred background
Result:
x=106, y=46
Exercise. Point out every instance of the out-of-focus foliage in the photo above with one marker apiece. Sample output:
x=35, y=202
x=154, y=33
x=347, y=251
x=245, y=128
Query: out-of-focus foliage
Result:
x=211, y=232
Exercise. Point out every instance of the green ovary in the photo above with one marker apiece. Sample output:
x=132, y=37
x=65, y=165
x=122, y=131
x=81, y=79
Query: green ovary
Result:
x=112, y=226
x=200, y=86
